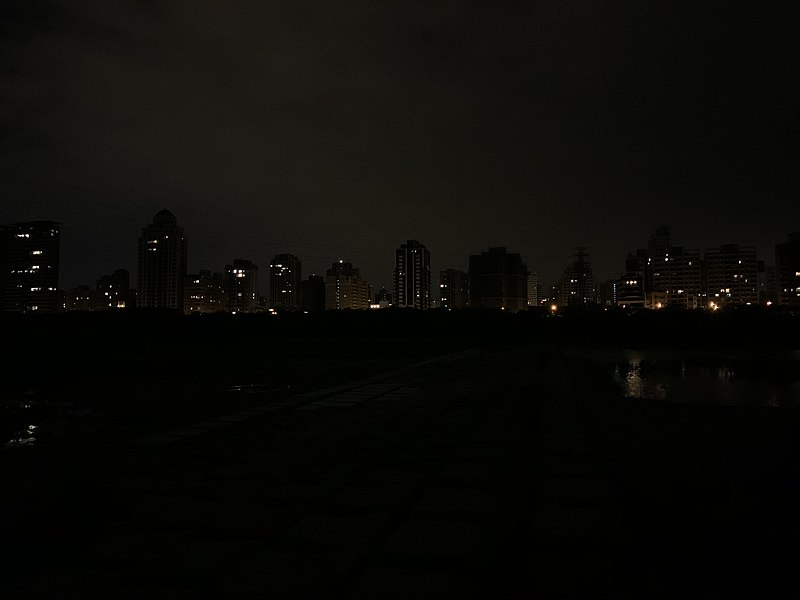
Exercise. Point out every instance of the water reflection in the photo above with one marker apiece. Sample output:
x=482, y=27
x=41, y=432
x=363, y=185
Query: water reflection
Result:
x=628, y=375
x=715, y=380
x=32, y=419
x=23, y=438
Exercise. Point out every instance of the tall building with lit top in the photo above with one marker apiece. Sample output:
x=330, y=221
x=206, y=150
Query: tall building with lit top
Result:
x=412, y=276
x=29, y=265
x=732, y=275
x=241, y=286
x=285, y=282
x=787, y=270
x=162, y=263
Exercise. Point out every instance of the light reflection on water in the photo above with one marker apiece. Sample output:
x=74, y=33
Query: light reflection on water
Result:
x=23, y=438
x=746, y=377
x=715, y=381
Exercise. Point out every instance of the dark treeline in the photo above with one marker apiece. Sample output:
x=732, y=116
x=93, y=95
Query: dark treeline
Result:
x=133, y=344
x=130, y=333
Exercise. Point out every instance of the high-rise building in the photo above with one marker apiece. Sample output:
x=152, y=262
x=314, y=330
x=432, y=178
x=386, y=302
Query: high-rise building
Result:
x=677, y=275
x=4, y=264
x=732, y=275
x=498, y=279
x=241, y=286
x=284, y=282
x=578, y=286
x=383, y=299
x=412, y=276
x=660, y=241
x=81, y=298
x=113, y=291
x=205, y=293
x=313, y=293
x=162, y=263
x=669, y=275
x=454, y=289
x=787, y=270
x=345, y=288
x=29, y=264
x=629, y=290
x=533, y=290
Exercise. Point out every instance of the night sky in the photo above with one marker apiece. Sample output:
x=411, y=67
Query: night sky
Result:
x=337, y=130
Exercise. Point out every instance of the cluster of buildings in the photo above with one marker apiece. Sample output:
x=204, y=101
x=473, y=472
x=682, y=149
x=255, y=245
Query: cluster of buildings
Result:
x=663, y=274
x=654, y=277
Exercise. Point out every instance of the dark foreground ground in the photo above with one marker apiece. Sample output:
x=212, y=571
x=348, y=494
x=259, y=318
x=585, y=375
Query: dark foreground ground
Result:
x=479, y=465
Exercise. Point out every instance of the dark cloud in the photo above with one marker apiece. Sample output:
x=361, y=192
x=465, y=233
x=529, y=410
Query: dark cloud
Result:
x=338, y=130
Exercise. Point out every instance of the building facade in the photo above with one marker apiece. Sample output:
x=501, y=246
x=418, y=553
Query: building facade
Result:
x=81, y=298
x=205, y=293
x=669, y=275
x=499, y=280
x=114, y=291
x=534, y=289
x=241, y=286
x=454, y=289
x=629, y=291
x=732, y=275
x=577, y=286
x=345, y=288
x=787, y=270
x=285, y=279
x=162, y=261
x=312, y=292
x=677, y=277
x=29, y=267
x=412, y=276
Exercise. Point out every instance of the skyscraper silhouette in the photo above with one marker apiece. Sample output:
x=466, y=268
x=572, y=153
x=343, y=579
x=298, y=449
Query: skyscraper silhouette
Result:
x=29, y=261
x=787, y=264
x=284, y=282
x=412, y=276
x=241, y=286
x=498, y=279
x=162, y=263
x=578, y=286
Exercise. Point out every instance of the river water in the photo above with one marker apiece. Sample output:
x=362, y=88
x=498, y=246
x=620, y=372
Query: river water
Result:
x=709, y=377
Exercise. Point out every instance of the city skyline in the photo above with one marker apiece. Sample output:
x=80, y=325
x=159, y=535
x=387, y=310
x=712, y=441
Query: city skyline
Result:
x=334, y=131
x=661, y=274
x=219, y=265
